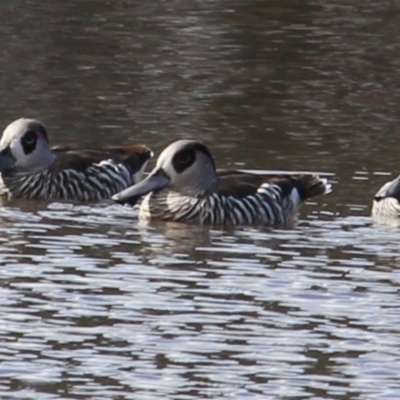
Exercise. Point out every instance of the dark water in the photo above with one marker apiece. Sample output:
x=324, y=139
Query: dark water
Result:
x=94, y=305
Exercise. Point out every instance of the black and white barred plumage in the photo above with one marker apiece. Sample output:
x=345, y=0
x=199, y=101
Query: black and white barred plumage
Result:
x=185, y=187
x=30, y=169
x=267, y=206
x=386, y=202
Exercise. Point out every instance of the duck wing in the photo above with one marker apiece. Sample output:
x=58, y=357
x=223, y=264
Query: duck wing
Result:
x=241, y=184
x=73, y=157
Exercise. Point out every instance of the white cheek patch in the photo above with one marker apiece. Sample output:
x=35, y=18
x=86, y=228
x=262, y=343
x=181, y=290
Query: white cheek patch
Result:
x=17, y=151
x=169, y=170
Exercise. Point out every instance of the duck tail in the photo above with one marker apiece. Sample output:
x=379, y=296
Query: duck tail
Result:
x=310, y=186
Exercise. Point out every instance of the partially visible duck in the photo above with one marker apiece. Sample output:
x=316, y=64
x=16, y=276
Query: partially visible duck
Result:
x=186, y=187
x=31, y=169
x=386, y=202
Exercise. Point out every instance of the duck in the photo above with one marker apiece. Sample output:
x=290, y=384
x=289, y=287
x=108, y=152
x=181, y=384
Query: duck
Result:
x=185, y=186
x=31, y=169
x=386, y=202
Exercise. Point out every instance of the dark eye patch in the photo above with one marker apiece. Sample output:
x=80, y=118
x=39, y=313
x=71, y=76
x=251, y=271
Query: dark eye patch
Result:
x=29, y=141
x=183, y=159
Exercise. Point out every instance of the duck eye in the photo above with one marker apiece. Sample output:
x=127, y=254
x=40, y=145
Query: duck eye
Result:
x=183, y=160
x=29, y=137
x=28, y=142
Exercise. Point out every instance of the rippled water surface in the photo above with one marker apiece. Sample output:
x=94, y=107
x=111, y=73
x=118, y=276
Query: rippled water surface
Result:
x=94, y=305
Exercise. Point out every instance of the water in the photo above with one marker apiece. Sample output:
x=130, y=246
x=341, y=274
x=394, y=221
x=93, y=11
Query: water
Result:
x=94, y=305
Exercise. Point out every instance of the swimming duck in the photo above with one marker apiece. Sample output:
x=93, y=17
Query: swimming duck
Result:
x=31, y=169
x=186, y=187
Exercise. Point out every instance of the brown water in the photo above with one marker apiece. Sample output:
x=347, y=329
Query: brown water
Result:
x=94, y=305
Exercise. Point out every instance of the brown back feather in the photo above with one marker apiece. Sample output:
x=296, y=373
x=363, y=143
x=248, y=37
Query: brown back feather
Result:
x=73, y=157
x=241, y=184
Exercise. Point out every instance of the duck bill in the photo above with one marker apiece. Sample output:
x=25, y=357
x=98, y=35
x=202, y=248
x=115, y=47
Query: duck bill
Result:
x=155, y=181
x=7, y=160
